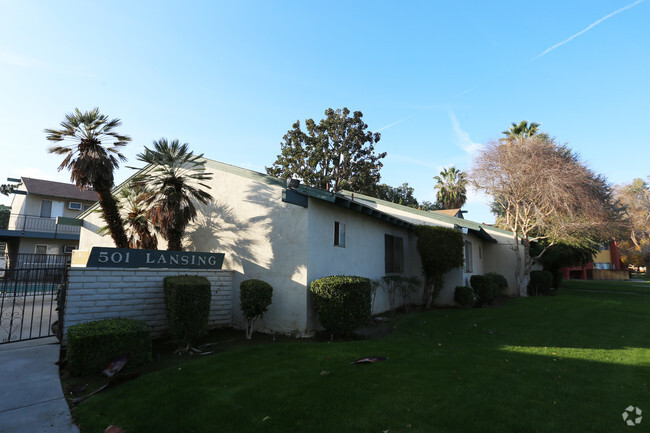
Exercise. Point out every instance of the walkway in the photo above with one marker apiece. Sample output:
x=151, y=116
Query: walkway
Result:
x=31, y=399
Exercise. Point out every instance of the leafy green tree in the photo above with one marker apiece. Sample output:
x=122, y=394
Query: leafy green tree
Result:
x=441, y=250
x=336, y=153
x=91, y=157
x=402, y=194
x=561, y=255
x=171, y=184
x=428, y=206
x=452, y=188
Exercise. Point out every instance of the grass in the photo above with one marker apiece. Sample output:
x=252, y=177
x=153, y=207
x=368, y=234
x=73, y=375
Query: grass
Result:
x=566, y=363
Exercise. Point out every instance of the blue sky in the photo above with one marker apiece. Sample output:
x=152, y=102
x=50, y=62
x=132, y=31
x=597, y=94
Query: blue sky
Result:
x=437, y=79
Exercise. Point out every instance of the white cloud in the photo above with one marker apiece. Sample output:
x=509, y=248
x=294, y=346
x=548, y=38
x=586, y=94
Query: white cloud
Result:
x=589, y=27
x=462, y=138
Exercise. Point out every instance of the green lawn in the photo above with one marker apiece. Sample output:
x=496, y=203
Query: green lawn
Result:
x=566, y=363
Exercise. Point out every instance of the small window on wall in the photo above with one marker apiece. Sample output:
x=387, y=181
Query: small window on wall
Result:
x=40, y=249
x=468, y=257
x=68, y=249
x=394, y=254
x=339, y=234
x=75, y=205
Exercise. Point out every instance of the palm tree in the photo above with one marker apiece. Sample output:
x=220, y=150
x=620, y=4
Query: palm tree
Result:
x=91, y=163
x=172, y=183
x=521, y=130
x=452, y=188
x=136, y=219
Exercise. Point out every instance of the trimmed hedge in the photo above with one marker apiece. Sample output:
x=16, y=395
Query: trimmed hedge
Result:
x=342, y=303
x=500, y=281
x=485, y=289
x=254, y=300
x=254, y=297
x=92, y=345
x=540, y=283
x=464, y=296
x=187, y=302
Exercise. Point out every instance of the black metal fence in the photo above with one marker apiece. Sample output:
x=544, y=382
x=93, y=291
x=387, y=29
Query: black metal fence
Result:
x=30, y=285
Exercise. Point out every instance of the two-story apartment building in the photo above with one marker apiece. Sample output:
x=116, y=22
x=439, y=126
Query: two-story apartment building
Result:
x=42, y=218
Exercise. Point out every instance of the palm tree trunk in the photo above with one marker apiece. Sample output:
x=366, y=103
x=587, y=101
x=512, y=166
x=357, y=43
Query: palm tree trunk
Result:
x=112, y=217
x=174, y=238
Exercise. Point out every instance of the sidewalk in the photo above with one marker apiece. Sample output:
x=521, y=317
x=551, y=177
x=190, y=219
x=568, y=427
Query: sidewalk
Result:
x=31, y=399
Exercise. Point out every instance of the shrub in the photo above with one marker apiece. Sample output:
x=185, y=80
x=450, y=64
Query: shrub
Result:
x=254, y=300
x=540, y=283
x=399, y=284
x=500, y=281
x=485, y=289
x=441, y=250
x=342, y=302
x=92, y=345
x=464, y=296
x=187, y=301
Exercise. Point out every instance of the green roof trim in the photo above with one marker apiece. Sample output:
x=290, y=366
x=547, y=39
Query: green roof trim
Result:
x=434, y=216
x=347, y=203
x=66, y=221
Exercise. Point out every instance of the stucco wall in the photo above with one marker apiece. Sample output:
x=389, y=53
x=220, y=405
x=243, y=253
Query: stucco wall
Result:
x=104, y=293
x=261, y=236
x=54, y=246
x=501, y=258
x=363, y=254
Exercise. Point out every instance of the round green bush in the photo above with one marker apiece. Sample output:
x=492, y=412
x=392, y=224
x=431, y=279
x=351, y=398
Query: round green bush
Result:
x=500, y=281
x=540, y=283
x=464, y=296
x=254, y=297
x=484, y=288
x=342, y=303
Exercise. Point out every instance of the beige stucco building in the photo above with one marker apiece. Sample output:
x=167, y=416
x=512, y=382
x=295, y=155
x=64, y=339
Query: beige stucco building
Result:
x=290, y=237
x=43, y=217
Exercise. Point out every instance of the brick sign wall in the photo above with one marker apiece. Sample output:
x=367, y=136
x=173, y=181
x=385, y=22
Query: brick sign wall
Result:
x=102, y=293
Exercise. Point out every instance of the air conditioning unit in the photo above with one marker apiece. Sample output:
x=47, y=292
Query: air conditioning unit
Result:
x=68, y=249
x=75, y=205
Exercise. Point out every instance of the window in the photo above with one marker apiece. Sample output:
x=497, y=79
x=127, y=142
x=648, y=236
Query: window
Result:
x=67, y=249
x=87, y=206
x=480, y=252
x=339, y=234
x=394, y=254
x=46, y=208
x=40, y=249
x=74, y=205
x=468, y=257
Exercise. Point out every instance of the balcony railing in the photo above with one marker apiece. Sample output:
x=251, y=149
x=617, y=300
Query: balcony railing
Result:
x=28, y=223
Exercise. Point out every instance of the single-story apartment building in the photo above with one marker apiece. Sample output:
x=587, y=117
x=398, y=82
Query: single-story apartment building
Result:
x=290, y=236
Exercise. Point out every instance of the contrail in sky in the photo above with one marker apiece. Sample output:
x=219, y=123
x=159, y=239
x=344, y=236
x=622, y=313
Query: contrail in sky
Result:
x=592, y=25
x=393, y=124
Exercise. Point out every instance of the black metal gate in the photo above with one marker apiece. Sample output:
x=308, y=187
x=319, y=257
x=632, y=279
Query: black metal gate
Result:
x=30, y=286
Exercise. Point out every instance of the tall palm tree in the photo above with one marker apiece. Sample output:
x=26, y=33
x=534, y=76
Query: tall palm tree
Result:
x=91, y=156
x=452, y=188
x=521, y=130
x=136, y=218
x=172, y=183
x=134, y=213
